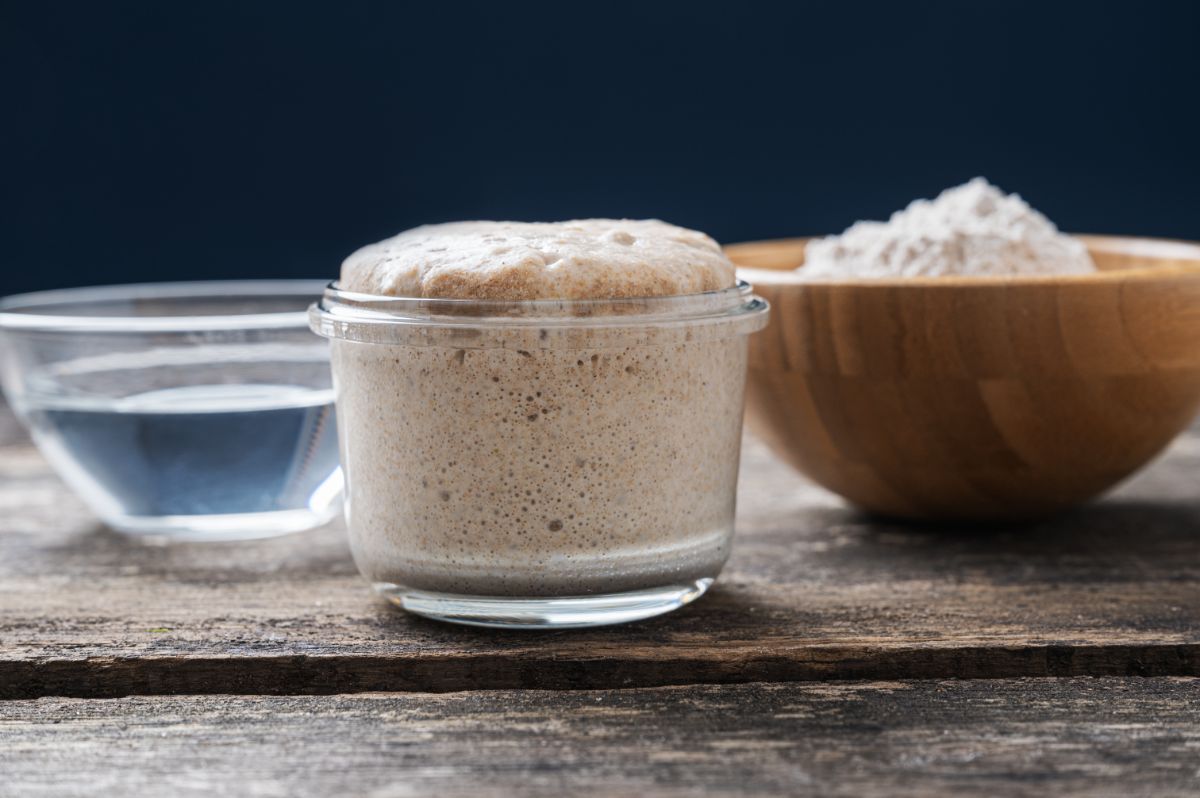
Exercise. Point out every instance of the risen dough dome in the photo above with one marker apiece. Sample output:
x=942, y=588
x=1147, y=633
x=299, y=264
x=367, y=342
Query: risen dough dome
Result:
x=582, y=259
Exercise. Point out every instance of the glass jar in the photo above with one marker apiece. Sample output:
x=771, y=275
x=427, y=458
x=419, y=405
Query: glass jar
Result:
x=540, y=463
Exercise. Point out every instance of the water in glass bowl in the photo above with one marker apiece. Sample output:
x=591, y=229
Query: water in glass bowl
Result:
x=198, y=461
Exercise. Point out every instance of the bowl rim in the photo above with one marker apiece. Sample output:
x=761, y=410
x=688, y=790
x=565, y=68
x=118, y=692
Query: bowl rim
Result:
x=1145, y=247
x=18, y=311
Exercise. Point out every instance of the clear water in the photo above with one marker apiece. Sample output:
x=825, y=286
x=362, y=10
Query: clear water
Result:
x=198, y=450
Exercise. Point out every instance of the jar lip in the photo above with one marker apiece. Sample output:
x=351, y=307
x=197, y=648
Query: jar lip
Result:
x=352, y=307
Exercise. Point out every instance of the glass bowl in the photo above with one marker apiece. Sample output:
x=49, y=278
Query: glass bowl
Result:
x=196, y=410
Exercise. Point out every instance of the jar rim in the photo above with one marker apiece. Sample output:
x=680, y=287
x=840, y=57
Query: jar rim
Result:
x=339, y=306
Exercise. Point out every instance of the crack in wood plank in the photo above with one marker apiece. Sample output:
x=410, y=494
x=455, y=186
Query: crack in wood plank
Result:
x=331, y=674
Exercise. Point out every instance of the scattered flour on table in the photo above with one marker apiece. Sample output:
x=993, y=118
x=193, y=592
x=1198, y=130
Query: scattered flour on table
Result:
x=969, y=230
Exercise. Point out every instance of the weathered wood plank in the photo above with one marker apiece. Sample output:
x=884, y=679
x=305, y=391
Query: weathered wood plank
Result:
x=1026, y=737
x=813, y=591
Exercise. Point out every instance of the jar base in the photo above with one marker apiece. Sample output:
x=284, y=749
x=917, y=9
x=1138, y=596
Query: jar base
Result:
x=544, y=612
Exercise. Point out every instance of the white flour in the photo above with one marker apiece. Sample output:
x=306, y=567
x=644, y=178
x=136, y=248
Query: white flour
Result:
x=970, y=230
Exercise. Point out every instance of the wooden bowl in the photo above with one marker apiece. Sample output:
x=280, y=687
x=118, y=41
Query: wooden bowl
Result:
x=976, y=398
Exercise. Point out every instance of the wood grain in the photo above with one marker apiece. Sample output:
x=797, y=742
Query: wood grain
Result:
x=814, y=591
x=1031, y=737
x=976, y=397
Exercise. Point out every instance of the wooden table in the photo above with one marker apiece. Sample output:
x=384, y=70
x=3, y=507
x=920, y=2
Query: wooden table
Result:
x=837, y=655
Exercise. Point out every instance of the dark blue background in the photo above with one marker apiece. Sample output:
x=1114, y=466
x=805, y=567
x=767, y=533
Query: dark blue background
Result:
x=165, y=140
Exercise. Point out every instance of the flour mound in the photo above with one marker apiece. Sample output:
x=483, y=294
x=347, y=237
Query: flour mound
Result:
x=972, y=230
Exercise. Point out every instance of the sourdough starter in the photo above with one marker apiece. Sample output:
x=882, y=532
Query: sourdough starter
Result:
x=500, y=472
x=552, y=462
